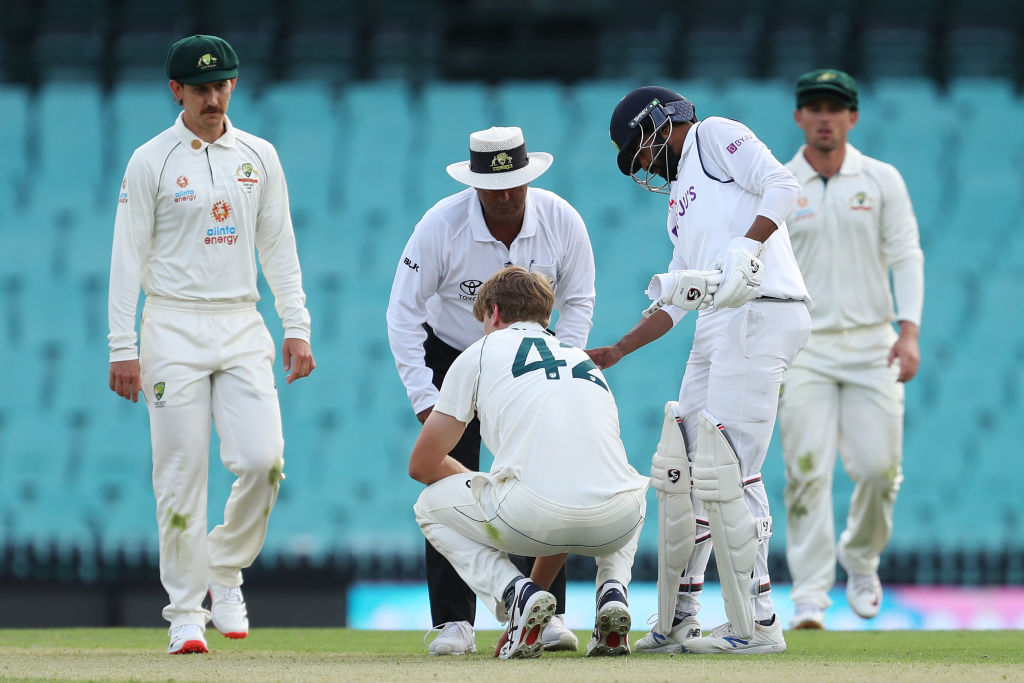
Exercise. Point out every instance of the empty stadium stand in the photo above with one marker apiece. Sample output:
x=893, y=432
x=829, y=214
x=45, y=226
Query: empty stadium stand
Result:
x=364, y=161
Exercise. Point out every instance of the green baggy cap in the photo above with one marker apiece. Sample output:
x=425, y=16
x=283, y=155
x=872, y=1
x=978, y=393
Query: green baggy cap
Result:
x=201, y=59
x=831, y=84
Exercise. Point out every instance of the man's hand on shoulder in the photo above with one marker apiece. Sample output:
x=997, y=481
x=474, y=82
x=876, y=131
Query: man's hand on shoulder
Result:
x=605, y=356
x=298, y=358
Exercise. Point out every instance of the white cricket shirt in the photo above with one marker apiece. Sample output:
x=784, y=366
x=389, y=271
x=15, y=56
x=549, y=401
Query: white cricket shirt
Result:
x=451, y=253
x=546, y=413
x=847, y=233
x=726, y=177
x=189, y=215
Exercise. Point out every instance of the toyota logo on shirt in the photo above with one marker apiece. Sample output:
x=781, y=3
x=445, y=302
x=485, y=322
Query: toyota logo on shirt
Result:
x=470, y=286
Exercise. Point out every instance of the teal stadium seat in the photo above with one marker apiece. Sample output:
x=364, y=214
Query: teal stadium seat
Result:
x=384, y=156
x=309, y=152
x=141, y=110
x=71, y=142
x=542, y=109
x=448, y=113
x=363, y=166
x=14, y=105
x=988, y=174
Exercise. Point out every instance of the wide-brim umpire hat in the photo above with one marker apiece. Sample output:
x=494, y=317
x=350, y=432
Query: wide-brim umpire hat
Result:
x=201, y=59
x=498, y=160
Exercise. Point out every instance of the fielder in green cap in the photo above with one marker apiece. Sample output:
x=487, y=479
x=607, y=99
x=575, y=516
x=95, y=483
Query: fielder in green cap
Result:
x=203, y=72
x=852, y=230
x=195, y=205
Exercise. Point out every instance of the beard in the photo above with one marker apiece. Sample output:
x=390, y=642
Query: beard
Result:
x=666, y=163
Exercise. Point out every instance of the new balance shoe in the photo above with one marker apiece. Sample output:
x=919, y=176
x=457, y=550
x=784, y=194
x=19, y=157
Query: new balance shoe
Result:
x=557, y=637
x=863, y=591
x=611, y=627
x=530, y=610
x=186, y=639
x=683, y=628
x=227, y=610
x=723, y=640
x=808, y=617
x=453, y=638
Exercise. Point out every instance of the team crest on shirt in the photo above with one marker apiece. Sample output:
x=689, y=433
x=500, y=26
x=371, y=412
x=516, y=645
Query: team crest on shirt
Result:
x=862, y=201
x=248, y=176
x=158, y=393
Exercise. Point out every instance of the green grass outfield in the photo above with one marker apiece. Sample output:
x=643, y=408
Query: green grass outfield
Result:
x=346, y=655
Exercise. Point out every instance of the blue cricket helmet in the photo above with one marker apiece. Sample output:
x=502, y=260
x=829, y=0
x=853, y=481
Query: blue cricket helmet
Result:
x=644, y=111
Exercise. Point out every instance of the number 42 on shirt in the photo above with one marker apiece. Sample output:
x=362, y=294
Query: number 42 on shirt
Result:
x=549, y=364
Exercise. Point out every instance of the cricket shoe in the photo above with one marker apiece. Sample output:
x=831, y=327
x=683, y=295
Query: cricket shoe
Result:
x=453, y=638
x=684, y=627
x=863, y=591
x=530, y=610
x=723, y=640
x=227, y=610
x=186, y=639
x=557, y=637
x=808, y=618
x=611, y=627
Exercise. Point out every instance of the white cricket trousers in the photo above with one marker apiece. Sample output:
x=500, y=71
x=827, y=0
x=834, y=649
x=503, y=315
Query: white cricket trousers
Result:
x=201, y=361
x=475, y=522
x=734, y=371
x=840, y=395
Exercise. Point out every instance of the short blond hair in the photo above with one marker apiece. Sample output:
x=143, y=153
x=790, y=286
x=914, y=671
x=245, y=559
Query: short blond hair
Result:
x=520, y=295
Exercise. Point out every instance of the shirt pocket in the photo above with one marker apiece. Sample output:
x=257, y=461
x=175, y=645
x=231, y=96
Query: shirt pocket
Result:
x=549, y=271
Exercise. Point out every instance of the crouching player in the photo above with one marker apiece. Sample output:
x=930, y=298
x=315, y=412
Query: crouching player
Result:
x=559, y=483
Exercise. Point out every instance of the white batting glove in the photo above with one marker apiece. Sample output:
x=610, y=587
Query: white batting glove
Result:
x=690, y=290
x=742, y=272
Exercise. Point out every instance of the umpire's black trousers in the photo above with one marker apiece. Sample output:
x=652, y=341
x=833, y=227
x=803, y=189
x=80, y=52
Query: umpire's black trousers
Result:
x=450, y=598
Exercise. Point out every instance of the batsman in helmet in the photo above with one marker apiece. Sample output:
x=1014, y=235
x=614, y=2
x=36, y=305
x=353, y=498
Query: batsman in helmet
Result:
x=732, y=262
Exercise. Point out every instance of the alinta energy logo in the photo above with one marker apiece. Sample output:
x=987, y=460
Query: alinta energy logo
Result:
x=185, y=194
x=220, y=211
x=221, y=234
x=122, y=197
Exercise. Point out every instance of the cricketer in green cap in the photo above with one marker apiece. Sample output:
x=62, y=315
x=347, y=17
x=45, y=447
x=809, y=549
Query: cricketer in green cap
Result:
x=830, y=84
x=201, y=59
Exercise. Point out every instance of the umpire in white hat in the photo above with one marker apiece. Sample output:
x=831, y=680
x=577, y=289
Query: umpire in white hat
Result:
x=498, y=221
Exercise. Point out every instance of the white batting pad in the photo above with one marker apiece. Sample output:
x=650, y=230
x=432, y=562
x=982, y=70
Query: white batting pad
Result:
x=677, y=525
x=718, y=484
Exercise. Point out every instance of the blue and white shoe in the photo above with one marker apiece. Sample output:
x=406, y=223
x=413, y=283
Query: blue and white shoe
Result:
x=683, y=628
x=723, y=640
x=611, y=627
x=529, y=612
